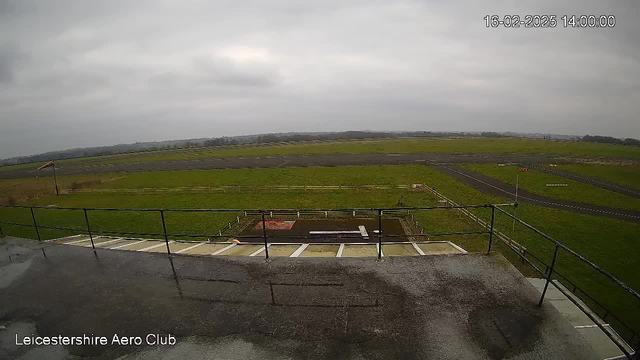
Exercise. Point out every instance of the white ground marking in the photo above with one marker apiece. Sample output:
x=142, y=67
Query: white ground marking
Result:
x=125, y=245
x=189, y=248
x=381, y=252
x=415, y=246
x=257, y=252
x=299, y=250
x=363, y=232
x=79, y=241
x=64, y=238
x=457, y=247
x=155, y=246
x=106, y=242
x=223, y=249
x=340, y=250
x=589, y=326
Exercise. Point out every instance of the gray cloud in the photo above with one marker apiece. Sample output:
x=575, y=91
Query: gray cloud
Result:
x=88, y=73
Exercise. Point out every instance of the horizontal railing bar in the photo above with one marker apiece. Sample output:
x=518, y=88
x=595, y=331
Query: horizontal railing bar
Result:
x=437, y=234
x=595, y=321
x=596, y=302
x=262, y=210
x=16, y=224
x=582, y=258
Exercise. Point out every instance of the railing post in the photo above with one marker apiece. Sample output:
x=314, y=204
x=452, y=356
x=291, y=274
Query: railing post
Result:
x=35, y=224
x=549, y=275
x=164, y=229
x=493, y=216
x=86, y=218
x=264, y=235
x=1, y=232
x=379, y=234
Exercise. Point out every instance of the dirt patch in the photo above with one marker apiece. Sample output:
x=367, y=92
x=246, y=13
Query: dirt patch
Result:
x=438, y=249
x=399, y=250
x=241, y=250
x=282, y=250
x=206, y=249
x=320, y=251
x=360, y=251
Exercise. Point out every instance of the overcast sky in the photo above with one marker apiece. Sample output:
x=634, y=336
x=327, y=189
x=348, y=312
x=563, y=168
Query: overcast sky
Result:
x=89, y=73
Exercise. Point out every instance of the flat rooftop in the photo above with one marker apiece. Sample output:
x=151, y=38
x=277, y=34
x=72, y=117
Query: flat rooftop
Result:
x=422, y=307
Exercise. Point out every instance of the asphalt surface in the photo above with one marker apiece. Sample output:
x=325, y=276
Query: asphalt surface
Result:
x=496, y=187
x=427, y=307
x=277, y=161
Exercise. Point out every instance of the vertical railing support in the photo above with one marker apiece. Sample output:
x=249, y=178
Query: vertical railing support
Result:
x=379, y=234
x=493, y=216
x=35, y=225
x=264, y=235
x=164, y=229
x=549, y=275
x=1, y=232
x=86, y=219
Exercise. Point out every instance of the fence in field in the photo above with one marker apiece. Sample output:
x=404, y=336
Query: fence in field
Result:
x=224, y=188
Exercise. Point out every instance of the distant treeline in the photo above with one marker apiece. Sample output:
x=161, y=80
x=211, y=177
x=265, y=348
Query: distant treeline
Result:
x=287, y=137
x=611, y=140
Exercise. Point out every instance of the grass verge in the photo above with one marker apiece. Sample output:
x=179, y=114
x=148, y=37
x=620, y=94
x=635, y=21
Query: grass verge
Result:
x=536, y=182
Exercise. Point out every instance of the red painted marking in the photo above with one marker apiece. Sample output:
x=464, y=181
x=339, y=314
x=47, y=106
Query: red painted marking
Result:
x=276, y=224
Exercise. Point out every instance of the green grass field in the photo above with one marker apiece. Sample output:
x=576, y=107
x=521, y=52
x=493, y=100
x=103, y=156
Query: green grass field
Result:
x=535, y=182
x=609, y=243
x=26, y=188
x=473, y=145
x=424, y=145
x=350, y=175
x=623, y=175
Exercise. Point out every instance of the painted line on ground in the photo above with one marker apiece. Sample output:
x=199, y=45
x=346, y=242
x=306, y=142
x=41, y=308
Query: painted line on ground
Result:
x=223, y=249
x=107, y=242
x=363, y=232
x=415, y=246
x=259, y=251
x=125, y=245
x=340, y=250
x=189, y=248
x=155, y=246
x=463, y=251
x=64, y=238
x=589, y=326
x=79, y=241
x=299, y=250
